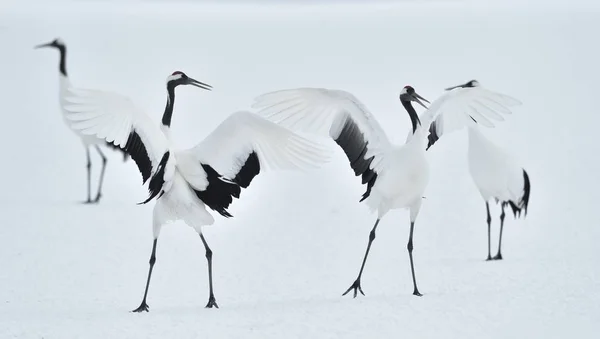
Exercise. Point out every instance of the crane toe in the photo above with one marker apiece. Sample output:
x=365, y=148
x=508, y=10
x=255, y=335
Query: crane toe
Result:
x=211, y=303
x=142, y=308
x=356, y=287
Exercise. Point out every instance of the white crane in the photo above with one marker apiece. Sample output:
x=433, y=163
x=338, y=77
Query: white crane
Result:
x=63, y=85
x=396, y=175
x=494, y=172
x=210, y=174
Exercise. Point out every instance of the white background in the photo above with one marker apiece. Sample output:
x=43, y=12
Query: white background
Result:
x=69, y=270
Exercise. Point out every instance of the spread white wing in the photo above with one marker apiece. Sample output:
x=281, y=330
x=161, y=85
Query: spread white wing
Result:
x=334, y=113
x=228, y=148
x=465, y=106
x=239, y=148
x=116, y=119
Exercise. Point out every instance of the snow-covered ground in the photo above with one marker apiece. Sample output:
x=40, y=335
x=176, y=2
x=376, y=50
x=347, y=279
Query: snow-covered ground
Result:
x=69, y=270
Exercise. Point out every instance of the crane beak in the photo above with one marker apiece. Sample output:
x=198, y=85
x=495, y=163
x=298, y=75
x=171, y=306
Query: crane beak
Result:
x=417, y=98
x=43, y=45
x=197, y=83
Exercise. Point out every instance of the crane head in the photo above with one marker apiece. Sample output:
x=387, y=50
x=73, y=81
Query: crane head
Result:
x=408, y=94
x=56, y=43
x=472, y=83
x=180, y=78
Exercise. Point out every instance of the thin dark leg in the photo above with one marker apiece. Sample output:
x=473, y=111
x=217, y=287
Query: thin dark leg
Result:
x=489, y=223
x=211, y=296
x=409, y=247
x=356, y=285
x=144, y=306
x=499, y=255
x=99, y=194
x=89, y=175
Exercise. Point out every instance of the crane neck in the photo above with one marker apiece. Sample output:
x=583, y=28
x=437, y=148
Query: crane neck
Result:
x=414, y=118
x=166, y=119
x=63, y=60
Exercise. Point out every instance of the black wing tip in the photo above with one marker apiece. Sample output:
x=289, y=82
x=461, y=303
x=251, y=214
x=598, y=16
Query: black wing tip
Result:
x=136, y=149
x=248, y=171
x=150, y=198
x=158, y=179
x=433, y=136
x=218, y=194
x=220, y=191
x=223, y=212
x=370, y=185
x=352, y=141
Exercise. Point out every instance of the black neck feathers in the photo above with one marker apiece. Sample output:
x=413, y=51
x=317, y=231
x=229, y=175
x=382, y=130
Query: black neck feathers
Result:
x=166, y=119
x=414, y=118
x=63, y=60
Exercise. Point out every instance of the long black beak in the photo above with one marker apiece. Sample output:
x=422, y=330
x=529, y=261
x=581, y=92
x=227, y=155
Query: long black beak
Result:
x=418, y=99
x=197, y=83
x=43, y=45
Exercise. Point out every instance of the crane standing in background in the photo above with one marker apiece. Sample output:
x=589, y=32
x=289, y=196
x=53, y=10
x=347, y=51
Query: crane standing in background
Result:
x=88, y=141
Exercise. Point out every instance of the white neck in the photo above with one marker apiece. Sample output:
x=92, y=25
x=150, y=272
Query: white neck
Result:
x=417, y=139
x=63, y=85
x=477, y=140
x=166, y=131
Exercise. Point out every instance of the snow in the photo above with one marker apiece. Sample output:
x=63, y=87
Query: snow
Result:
x=69, y=270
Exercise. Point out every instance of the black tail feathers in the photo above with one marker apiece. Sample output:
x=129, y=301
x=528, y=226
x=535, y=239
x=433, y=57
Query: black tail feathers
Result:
x=523, y=204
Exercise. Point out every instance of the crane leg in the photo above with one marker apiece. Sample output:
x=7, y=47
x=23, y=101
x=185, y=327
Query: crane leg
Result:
x=89, y=175
x=144, y=306
x=499, y=255
x=356, y=284
x=211, y=296
x=99, y=194
x=409, y=247
x=489, y=223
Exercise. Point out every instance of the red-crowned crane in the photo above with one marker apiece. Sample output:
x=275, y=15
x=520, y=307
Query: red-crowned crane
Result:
x=63, y=85
x=185, y=182
x=495, y=173
x=396, y=175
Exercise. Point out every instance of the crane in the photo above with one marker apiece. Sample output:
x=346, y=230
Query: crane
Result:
x=88, y=141
x=495, y=173
x=185, y=182
x=395, y=176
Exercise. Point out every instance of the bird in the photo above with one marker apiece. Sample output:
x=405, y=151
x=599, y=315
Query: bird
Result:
x=495, y=173
x=395, y=176
x=88, y=141
x=185, y=182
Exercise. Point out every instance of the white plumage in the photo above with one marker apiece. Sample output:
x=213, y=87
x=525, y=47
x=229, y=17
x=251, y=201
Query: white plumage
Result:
x=186, y=181
x=495, y=173
x=396, y=175
x=64, y=86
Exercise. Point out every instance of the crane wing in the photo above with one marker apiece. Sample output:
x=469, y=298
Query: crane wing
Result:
x=116, y=119
x=237, y=150
x=334, y=113
x=465, y=106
